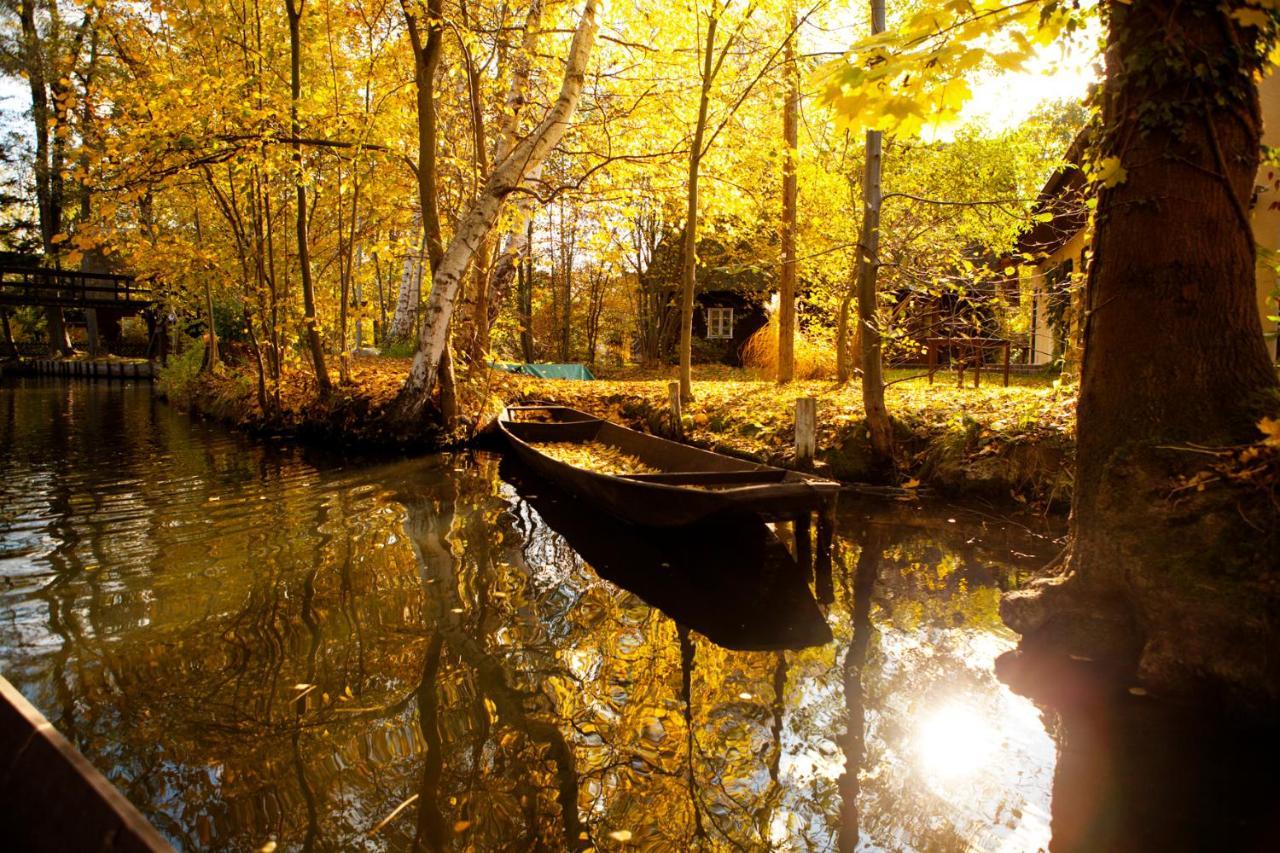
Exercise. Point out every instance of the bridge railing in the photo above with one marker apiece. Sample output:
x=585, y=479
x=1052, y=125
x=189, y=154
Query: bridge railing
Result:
x=20, y=285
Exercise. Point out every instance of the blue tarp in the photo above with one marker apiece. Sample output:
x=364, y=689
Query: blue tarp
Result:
x=547, y=371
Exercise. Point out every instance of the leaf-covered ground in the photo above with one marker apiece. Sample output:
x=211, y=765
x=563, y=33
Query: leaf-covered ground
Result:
x=1014, y=442
x=1002, y=442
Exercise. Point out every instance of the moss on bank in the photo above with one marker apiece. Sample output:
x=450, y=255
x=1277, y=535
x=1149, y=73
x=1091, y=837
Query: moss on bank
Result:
x=999, y=443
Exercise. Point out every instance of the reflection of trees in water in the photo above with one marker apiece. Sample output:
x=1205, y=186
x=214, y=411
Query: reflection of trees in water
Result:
x=293, y=667
x=852, y=743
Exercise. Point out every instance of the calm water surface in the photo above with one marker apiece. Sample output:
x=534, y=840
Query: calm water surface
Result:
x=259, y=644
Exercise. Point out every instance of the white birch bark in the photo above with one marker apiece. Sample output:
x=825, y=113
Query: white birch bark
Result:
x=480, y=218
x=410, y=290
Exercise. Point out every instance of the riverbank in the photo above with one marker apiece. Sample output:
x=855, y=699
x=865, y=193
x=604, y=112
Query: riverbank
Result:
x=992, y=442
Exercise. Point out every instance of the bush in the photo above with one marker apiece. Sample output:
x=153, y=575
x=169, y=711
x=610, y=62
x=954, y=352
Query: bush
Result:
x=177, y=380
x=813, y=360
x=400, y=349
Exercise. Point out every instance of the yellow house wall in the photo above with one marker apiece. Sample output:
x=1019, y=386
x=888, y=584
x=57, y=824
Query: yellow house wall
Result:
x=1042, y=350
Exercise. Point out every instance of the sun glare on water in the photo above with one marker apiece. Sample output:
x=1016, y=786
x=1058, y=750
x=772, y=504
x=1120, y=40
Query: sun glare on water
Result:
x=953, y=741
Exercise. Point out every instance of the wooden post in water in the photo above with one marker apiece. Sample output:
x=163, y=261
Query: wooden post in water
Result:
x=806, y=431
x=677, y=422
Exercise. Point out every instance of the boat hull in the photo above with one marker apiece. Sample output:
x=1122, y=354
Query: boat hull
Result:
x=767, y=491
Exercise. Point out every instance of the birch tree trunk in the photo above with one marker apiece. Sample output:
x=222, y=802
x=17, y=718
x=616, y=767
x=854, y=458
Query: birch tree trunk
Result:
x=480, y=218
x=426, y=59
x=408, y=296
x=868, y=268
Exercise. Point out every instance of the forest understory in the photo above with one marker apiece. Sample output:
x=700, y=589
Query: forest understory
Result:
x=1005, y=445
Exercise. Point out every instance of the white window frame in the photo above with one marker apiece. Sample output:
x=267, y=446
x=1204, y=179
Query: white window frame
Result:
x=719, y=323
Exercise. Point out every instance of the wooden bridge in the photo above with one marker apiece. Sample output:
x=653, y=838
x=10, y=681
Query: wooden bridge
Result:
x=29, y=285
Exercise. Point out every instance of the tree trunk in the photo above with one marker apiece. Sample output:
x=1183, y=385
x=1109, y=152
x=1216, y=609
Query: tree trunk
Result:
x=11, y=347
x=311, y=325
x=787, y=288
x=515, y=243
x=426, y=53
x=409, y=296
x=1179, y=582
x=689, y=268
x=480, y=218
x=48, y=178
x=878, y=426
x=524, y=298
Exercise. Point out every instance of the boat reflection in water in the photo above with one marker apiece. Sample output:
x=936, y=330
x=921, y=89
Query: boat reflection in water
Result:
x=735, y=583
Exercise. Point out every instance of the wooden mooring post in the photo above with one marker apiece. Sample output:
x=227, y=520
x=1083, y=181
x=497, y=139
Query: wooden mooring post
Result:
x=806, y=431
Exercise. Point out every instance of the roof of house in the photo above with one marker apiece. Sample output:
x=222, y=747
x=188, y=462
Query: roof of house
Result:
x=1063, y=196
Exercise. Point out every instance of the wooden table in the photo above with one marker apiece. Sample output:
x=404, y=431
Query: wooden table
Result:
x=971, y=351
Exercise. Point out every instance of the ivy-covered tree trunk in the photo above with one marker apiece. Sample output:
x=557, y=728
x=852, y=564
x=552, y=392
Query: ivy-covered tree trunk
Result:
x=1179, y=581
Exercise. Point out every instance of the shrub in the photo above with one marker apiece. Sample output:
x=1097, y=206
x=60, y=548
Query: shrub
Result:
x=813, y=360
x=177, y=380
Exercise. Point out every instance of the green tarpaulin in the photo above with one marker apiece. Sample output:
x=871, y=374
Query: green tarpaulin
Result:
x=547, y=371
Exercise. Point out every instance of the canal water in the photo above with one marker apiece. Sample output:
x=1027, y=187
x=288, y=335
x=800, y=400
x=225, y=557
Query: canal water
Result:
x=266, y=645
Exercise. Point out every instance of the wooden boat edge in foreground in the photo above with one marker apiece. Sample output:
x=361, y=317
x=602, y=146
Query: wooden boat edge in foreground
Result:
x=52, y=798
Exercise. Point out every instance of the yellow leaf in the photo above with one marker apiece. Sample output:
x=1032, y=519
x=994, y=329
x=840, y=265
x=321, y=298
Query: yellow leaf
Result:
x=1270, y=427
x=1111, y=172
x=461, y=825
x=1250, y=17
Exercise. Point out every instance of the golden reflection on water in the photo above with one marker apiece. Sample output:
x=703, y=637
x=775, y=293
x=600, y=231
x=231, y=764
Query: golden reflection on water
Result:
x=258, y=645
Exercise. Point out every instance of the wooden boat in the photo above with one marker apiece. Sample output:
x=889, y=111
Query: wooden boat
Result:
x=692, y=485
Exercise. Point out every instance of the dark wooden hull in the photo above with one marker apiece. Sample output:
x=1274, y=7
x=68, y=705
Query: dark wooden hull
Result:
x=695, y=486
x=52, y=799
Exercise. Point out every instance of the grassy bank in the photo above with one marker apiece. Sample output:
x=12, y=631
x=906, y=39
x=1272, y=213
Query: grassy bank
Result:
x=998, y=443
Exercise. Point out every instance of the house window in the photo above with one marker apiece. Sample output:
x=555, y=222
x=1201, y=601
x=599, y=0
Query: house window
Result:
x=719, y=322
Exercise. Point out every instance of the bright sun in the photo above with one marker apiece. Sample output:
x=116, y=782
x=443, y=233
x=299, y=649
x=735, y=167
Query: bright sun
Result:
x=952, y=741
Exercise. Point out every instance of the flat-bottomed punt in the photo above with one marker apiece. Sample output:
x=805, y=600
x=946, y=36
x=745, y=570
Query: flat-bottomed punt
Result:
x=691, y=485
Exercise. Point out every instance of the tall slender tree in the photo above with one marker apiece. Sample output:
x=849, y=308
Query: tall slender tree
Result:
x=787, y=286
x=869, y=335
x=310, y=322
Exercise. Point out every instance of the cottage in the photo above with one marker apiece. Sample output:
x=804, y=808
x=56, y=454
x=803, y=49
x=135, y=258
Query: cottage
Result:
x=1061, y=248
